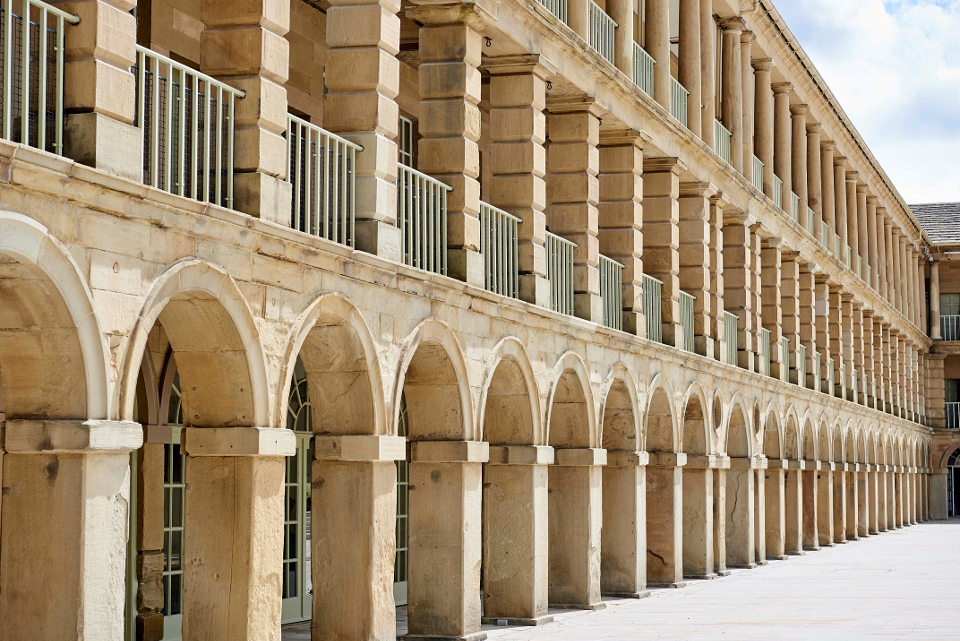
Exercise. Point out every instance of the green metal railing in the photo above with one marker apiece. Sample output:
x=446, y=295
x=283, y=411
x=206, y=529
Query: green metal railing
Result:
x=722, y=138
x=686, y=320
x=785, y=359
x=678, y=101
x=31, y=73
x=778, y=192
x=854, y=386
x=837, y=242
x=498, y=246
x=795, y=207
x=422, y=219
x=765, y=354
x=802, y=366
x=848, y=257
x=756, y=174
x=643, y=69
x=730, y=322
x=868, y=275
x=652, y=310
x=817, y=373
x=843, y=380
x=322, y=172
x=611, y=292
x=858, y=262
x=560, y=273
x=831, y=383
x=811, y=221
x=601, y=28
x=557, y=7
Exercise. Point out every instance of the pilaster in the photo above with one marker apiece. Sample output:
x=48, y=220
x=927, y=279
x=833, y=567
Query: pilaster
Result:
x=661, y=238
x=695, y=232
x=771, y=304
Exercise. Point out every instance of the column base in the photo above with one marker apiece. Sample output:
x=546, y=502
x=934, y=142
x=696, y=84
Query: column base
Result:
x=588, y=307
x=675, y=584
x=476, y=636
x=504, y=621
x=263, y=196
x=797, y=553
x=778, y=557
x=635, y=323
x=745, y=566
x=643, y=594
x=600, y=605
x=721, y=573
x=700, y=577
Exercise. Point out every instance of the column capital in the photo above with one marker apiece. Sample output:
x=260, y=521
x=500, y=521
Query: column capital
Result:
x=828, y=145
x=747, y=38
x=618, y=137
x=733, y=25
x=660, y=165
x=87, y=437
x=532, y=63
x=871, y=199
x=521, y=455
x=814, y=128
x=781, y=88
x=238, y=441
x=838, y=160
x=853, y=177
x=469, y=13
x=360, y=448
x=799, y=110
x=574, y=104
x=697, y=189
x=762, y=64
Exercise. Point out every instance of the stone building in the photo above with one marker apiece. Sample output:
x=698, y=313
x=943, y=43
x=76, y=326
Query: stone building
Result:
x=313, y=309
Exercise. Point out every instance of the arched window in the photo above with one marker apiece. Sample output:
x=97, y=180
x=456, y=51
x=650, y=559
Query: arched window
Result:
x=953, y=483
x=298, y=486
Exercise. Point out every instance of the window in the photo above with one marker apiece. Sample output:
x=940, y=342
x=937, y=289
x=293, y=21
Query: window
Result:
x=950, y=304
x=406, y=142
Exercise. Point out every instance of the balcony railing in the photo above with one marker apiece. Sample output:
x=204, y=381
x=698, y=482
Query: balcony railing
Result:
x=837, y=242
x=843, y=380
x=722, y=138
x=322, y=172
x=802, y=366
x=498, y=246
x=678, y=101
x=557, y=7
x=756, y=175
x=858, y=262
x=831, y=384
x=795, y=207
x=952, y=415
x=811, y=221
x=868, y=275
x=765, y=353
x=785, y=359
x=686, y=321
x=817, y=373
x=187, y=123
x=826, y=236
x=950, y=328
x=422, y=219
x=848, y=256
x=643, y=69
x=854, y=386
x=611, y=292
x=730, y=322
x=560, y=273
x=652, y=309
x=778, y=192
x=601, y=31
x=32, y=84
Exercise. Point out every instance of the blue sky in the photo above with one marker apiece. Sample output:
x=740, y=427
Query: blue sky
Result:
x=895, y=67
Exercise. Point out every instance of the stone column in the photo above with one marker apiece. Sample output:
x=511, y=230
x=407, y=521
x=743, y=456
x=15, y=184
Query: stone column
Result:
x=869, y=363
x=658, y=46
x=809, y=487
x=623, y=36
x=695, y=277
x=853, y=501
x=573, y=190
x=859, y=358
x=738, y=299
x=149, y=530
x=910, y=282
x=886, y=372
x=362, y=107
x=825, y=505
x=749, y=87
x=621, y=218
x=244, y=46
x=782, y=151
x=708, y=73
x=840, y=503
x=872, y=243
x=578, y=18
x=354, y=512
x=661, y=238
x=575, y=520
x=623, y=549
x=759, y=512
x=763, y=114
x=665, y=519
x=99, y=91
x=897, y=265
x=823, y=330
x=732, y=105
x=515, y=534
x=815, y=179
x=740, y=513
x=886, y=250
x=793, y=512
x=829, y=203
x=720, y=515
x=775, y=508
x=690, y=61
x=63, y=547
x=808, y=321
x=863, y=232
x=845, y=342
x=875, y=492
x=234, y=493
x=853, y=221
x=518, y=162
x=445, y=538
x=771, y=305
x=885, y=497
x=936, y=407
x=837, y=344
x=790, y=295
x=716, y=273
x=798, y=164
x=938, y=493
x=698, y=493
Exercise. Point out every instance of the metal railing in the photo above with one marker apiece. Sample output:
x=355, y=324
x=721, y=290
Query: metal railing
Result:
x=778, y=192
x=811, y=221
x=678, y=101
x=422, y=219
x=730, y=322
x=831, y=383
x=601, y=31
x=765, y=354
x=785, y=359
x=795, y=207
x=643, y=69
x=322, y=172
x=950, y=328
x=952, y=415
x=686, y=320
x=498, y=246
x=837, y=246
x=31, y=73
x=557, y=7
x=187, y=119
x=611, y=292
x=854, y=386
x=825, y=235
x=802, y=366
x=848, y=257
x=560, y=273
x=817, y=373
x=756, y=175
x=858, y=261
x=652, y=308
x=868, y=275
x=722, y=138
x=843, y=380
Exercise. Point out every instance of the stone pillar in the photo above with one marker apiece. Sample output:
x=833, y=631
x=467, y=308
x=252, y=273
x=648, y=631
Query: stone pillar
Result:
x=732, y=105
x=763, y=114
x=708, y=73
x=873, y=245
x=353, y=525
x=863, y=232
x=775, y=516
x=824, y=344
x=694, y=251
x=738, y=298
x=853, y=225
x=578, y=18
x=869, y=366
x=621, y=218
x=749, y=88
x=790, y=312
x=623, y=549
x=825, y=504
x=690, y=61
x=845, y=343
x=63, y=547
x=759, y=512
x=716, y=274
x=853, y=501
x=897, y=264
x=887, y=372
x=815, y=178
x=234, y=493
x=720, y=515
x=362, y=107
x=658, y=46
x=741, y=513
x=698, y=493
x=623, y=36
x=793, y=510
x=518, y=162
x=938, y=493
x=884, y=497
x=661, y=238
x=244, y=46
x=873, y=496
x=840, y=503
x=573, y=190
x=859, y=358
x=665, y=519
x=887, y=258
x=445, y=538
x=808, y=321
x=798, y=152
x=936, y=406
x=771, y=305
x=782, y=152
x=809, y=487
x=837, y=344
x=149, y=530
x=575, y=520
x=99, y=90
x=828, y=176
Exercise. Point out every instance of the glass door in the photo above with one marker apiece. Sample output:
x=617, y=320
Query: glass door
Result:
x=174, y=464
x=297, y=584
x=403, y=495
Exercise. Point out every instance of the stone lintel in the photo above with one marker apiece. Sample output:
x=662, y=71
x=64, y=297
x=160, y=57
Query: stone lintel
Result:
x=778, y=464
x=659, y=165
x=521, y=455
x=697, y=189
x=748, y=463
x=667, y=459
x=238, y=441
x=585, y=456
x=619, y=137
x=627, y=459
x=449, y=452
x=575, y=104
x=866, y=467
x=827, y=466
x=361, y=447
x=80, y=437
x=798, y=465
x=707, y=462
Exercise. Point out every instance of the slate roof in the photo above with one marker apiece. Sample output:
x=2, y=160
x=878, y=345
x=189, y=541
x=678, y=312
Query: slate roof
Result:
x=941, y=221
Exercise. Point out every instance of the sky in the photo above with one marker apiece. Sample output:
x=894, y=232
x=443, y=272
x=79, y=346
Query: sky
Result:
x=895, y=68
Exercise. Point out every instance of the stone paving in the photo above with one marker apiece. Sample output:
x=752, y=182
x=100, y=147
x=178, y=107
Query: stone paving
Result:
x=900, y=584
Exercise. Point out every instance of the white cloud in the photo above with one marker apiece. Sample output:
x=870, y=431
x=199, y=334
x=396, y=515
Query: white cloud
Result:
x=895, y=68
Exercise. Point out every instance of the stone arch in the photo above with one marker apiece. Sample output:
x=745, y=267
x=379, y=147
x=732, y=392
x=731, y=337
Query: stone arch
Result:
x=717, y=415
x=738, y=443
x=823, y=441
x=217, y=344
x=661, y=433
x=791, y=435
x=695, y=436
x=570, y=416
x=49, y=328
x=773, y=434
x=809, y=440
x=850, y=444
x=340, y=359
x=509, y=401
x=433, y=377
x=837, y=442
x=620, y=427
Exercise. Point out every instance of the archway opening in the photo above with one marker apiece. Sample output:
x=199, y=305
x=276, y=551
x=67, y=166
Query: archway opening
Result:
x=740, y=489
x=698, y=479
x=772, y=518
x=664, y=494
x=953, y=484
